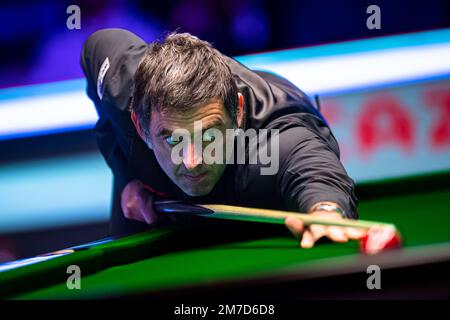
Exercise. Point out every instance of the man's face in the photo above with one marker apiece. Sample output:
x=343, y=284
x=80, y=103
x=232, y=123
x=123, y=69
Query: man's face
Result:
x=194, y=178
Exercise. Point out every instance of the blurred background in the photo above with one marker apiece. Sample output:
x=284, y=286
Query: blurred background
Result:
x=385, y=92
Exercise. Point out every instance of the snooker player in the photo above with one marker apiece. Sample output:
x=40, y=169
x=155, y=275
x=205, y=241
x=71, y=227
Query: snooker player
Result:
x=144, y=92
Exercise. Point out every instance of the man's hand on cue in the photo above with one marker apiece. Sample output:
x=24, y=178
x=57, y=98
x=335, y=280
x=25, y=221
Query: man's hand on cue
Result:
x=308, y=235
x=137, y=203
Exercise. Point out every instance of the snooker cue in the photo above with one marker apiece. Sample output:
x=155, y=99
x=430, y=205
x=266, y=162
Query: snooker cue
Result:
x=258, y=215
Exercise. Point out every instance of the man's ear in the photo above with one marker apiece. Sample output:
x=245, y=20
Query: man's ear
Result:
x=137, y=125
x=240, y=110
x=139, y=130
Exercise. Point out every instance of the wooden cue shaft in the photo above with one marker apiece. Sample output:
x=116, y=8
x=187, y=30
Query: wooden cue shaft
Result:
x=278, y=217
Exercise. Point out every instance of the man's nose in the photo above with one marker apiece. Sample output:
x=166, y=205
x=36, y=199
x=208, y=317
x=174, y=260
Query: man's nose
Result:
x=192, y=157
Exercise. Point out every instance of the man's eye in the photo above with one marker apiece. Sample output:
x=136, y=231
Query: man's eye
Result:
x=208, y=137
x=172, y=141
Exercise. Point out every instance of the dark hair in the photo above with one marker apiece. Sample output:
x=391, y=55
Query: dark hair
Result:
x=180, y=73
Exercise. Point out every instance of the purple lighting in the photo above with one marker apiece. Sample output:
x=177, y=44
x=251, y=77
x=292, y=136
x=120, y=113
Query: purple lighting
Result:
x=250, y=27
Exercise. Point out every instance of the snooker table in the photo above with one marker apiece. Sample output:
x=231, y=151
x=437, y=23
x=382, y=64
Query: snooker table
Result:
x=221, y=259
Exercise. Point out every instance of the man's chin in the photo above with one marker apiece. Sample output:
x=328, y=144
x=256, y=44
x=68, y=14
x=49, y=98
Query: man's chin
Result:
x=197, y=192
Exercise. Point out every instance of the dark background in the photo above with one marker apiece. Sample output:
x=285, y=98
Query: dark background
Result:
x=36, y=46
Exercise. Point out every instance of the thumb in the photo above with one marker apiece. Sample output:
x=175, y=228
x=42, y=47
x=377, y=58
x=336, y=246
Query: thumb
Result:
x=295, y=226
x=146, y=209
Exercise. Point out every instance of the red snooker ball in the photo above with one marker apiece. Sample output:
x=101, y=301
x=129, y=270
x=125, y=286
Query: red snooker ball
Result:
x=380, y=238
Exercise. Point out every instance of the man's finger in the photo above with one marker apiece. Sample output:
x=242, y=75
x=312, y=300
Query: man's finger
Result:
x=295, y=226
x=307, y=239
x=133, y=215
x=318, y=231
x=355, y=233
x=147, y=215
x=337, y=234
x=145, y=206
